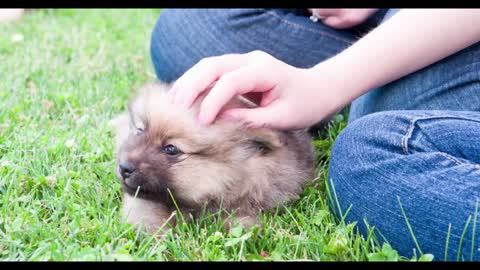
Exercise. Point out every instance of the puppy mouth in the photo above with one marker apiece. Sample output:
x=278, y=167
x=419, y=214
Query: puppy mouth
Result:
x=134, y=185
x=128, y=183
x=141, y=191
x=136, y=190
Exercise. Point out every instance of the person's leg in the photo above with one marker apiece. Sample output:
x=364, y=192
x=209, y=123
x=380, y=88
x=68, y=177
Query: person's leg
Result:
x=415, y=139
x=181, y=37
x=450, y=84
x=426, y=160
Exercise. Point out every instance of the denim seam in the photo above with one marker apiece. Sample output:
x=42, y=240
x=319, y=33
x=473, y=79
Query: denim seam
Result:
x=411, y=127
x=449, y=157
x=308, y=29
x=407, y=136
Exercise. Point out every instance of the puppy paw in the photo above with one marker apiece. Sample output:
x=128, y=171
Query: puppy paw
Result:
x=246, y=222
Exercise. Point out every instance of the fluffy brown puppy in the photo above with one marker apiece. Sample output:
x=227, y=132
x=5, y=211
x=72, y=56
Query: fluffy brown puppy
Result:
x=163, y=152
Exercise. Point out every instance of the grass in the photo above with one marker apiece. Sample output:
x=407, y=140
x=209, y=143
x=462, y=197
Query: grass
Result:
x=63, y=75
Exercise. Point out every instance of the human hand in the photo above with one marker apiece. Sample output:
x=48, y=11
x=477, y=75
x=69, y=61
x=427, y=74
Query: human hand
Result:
x=341, y=18
x=290, y=97
x=10, y=14
x=296, y=98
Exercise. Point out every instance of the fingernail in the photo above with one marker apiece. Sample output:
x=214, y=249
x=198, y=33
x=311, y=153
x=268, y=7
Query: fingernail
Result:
x=252, y=124
x=229, y=116
x=202, y=118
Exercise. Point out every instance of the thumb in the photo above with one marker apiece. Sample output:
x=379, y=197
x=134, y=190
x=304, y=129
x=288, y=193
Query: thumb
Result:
x=324, y=12
x=335, y=22
x=256, y=117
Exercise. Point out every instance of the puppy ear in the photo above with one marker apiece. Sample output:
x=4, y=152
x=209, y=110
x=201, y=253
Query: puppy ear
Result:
x=266, y=140
x=119, y=126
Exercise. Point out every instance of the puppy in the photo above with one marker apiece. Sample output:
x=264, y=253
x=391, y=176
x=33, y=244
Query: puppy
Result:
x=167, y=161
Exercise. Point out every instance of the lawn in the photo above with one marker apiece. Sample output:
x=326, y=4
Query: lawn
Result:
x=63, y=75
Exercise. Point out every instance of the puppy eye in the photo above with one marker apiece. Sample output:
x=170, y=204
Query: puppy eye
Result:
x=138, y=131
x=260, y=146
x=171, y=150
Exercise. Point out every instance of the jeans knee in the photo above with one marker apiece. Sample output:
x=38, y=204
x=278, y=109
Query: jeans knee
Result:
x=182, y=37
x=170, y=45
x=364, y=144
x=357, y=153
x=349, y=148
x=159, y=50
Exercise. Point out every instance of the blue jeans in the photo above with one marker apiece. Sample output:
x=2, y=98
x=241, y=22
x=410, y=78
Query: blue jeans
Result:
x=412, y=143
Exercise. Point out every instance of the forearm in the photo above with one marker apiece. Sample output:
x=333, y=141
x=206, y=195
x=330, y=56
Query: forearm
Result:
x=409, y=41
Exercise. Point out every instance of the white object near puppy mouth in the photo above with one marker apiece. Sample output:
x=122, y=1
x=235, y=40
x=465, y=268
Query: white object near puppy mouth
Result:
x=17, y=37
x=128, y=182
x=70, y=143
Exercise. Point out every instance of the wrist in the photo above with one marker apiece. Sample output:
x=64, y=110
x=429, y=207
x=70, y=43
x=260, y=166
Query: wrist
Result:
x=341, y=79
x=322, y=93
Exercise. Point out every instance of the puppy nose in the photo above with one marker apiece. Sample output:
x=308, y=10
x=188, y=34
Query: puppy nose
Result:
x=126, y=169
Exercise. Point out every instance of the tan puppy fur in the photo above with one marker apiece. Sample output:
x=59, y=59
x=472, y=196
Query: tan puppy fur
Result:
x=165, y=152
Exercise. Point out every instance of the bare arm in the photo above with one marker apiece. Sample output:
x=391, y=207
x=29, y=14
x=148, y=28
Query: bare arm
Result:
x=297, y=98
x=410, y=40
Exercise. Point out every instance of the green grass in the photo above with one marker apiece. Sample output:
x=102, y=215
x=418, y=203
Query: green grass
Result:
x=59, y=198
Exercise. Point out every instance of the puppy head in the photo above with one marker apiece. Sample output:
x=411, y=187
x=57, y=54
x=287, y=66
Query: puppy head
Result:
x=163, y=149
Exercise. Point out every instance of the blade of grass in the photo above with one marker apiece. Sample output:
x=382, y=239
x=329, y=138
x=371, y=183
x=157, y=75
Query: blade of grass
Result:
x=409, y=227
x=475, y=216
x=460, y=246
x=447, y=242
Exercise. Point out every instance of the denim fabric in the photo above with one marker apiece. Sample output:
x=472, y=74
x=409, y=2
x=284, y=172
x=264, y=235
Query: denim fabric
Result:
x=449, y=84
x=182, y=37
x=416, y=139
x=429, y=161
x=413, y=140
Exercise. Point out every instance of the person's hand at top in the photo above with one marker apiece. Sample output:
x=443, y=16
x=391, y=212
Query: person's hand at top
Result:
x=293, y=98
x=341, y=18
x=10, y=14
x=290, y=97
